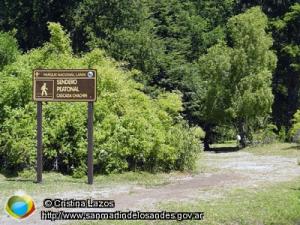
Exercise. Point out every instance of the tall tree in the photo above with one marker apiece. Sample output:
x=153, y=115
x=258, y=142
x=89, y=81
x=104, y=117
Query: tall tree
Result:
x=234, y=81
x=96, y=21
x=284, y=18
x=252, y=65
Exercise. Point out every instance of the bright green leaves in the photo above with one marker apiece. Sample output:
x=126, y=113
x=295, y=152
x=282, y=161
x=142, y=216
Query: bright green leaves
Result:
x=234, y=80
x=132, y=130
x=8, y=49
x=251, y=42
x=59, y=40
x=210, y=85
x=252, y=65
x=17, y=139
x=295, y=130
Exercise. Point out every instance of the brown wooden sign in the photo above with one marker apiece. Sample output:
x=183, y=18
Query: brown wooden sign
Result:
x=65, y=85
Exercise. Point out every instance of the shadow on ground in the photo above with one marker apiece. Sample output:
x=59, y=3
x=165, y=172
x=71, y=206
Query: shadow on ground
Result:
x=297, y=147
x=20, y=180
x=224, y=149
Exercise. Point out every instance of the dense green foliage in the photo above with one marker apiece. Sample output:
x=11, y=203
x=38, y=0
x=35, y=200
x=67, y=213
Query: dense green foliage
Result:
x=30, y=18
x=277, y=204
x=233, y=84
x=132, y=130
x=235, y=63
x=286, y=81
x=8, y=49
x=295, y=130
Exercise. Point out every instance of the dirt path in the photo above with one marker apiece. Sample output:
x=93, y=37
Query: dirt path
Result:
x=230, y=170
x=225, y=171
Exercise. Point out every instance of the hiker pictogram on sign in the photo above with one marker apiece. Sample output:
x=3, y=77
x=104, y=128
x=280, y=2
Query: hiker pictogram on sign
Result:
x=44, y=89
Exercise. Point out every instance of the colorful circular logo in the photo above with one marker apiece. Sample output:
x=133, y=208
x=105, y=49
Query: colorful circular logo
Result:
x=20, y=206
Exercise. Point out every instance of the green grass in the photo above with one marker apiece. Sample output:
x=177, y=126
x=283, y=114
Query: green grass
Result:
x=55, y=183
x=140, y=178
x=51, y=181
x=280, y=149
x=270, y=206
x=277, y=205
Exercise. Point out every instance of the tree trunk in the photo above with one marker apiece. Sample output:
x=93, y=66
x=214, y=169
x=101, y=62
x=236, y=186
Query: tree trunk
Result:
x=207, y=137
x=206, y=144
x=242, y=133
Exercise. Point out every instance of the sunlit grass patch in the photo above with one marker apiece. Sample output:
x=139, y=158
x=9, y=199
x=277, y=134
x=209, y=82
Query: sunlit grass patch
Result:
x=280, y=149
x=273, y=205
x=277, y=205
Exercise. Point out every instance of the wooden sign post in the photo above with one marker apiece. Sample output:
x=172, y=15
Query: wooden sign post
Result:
x=65, y=86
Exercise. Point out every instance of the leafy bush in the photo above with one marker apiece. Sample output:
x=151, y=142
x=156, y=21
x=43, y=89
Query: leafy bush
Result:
x=221, y=134
x=294, y=132
x=282, y=135
x=8, y=49
x=132, y=131
x=17, y=139
x=296, y=137
x=80, y=171
x=27, y=174
x=266, y=135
